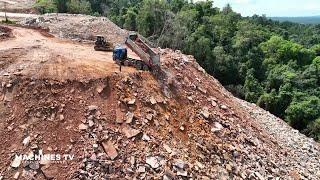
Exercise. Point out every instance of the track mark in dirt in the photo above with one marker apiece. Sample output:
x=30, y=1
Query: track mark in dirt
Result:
x=9, y=57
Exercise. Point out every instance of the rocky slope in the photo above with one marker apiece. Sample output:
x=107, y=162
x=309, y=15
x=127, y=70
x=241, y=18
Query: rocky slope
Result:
x=135, y=125
x=304, y=150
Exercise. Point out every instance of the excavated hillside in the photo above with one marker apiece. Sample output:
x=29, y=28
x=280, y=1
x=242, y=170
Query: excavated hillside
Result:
x=59, y=96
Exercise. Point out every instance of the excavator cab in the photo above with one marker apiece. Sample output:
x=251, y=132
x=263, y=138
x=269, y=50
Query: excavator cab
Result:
x=100, y=38
x=100, y=41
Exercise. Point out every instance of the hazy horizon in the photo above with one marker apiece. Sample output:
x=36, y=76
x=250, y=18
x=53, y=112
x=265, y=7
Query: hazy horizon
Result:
x=273, y=8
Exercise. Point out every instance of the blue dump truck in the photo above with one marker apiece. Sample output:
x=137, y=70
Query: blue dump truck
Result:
x=149, y=59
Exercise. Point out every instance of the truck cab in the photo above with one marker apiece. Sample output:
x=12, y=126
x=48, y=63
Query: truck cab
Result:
x=120, y=54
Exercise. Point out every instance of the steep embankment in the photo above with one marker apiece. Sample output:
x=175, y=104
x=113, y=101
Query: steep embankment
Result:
x=132, y=124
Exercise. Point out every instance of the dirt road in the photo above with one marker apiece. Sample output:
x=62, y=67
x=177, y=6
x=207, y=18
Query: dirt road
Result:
x=39, y=55
x=17, y=15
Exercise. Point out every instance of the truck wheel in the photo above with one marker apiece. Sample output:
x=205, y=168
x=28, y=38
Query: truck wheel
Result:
x=139, y=65
x=126, y=63
x=145, y=67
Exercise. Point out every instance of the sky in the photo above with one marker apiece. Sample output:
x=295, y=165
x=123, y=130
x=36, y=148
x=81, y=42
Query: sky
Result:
x=273, y=7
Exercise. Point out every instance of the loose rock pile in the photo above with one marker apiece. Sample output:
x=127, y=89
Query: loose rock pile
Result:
x=303, y=149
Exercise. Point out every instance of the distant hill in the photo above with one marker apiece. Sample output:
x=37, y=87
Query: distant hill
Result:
x=301, y=20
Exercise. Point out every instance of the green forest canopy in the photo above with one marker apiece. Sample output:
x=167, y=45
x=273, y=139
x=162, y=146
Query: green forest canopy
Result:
x=273, y=64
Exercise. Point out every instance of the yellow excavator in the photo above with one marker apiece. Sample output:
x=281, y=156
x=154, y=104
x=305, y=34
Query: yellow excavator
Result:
x=102, y=45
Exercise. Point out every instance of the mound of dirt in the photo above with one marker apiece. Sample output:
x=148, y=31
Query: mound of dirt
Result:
x=133, y=124
x=79, y=27
x=18, y=6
